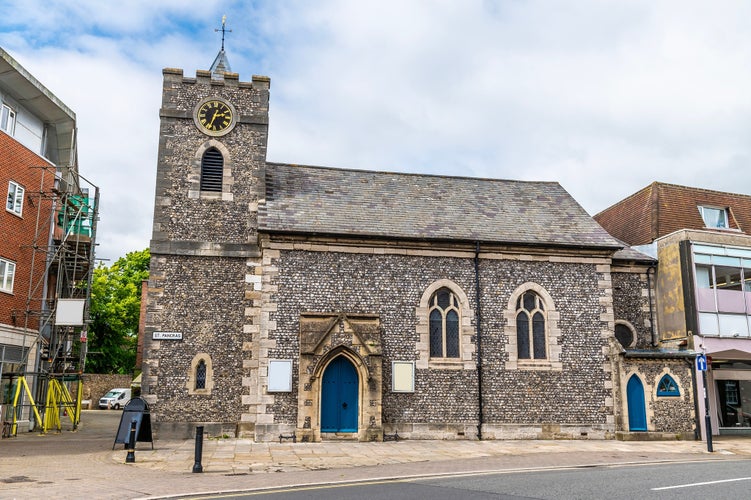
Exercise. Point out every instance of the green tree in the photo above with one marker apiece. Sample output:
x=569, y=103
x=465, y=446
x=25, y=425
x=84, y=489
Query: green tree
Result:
x=114, y=313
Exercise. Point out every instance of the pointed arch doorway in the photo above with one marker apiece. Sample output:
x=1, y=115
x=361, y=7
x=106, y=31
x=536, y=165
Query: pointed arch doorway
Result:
x=637, y=412
x=339, y=396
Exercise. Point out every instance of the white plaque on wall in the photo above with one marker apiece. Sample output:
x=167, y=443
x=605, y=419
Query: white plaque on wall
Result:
x=69, y=312
x=403, y=376
x=280, y=375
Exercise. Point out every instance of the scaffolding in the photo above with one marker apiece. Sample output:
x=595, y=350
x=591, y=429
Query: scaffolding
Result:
x=58, y=302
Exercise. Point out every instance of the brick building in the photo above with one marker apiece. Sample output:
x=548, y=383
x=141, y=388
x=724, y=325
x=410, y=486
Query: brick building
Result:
x=46, y=232
x=35, y=134
x=333, y=303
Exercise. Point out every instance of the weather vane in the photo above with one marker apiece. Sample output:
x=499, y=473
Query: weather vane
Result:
x=223, y=30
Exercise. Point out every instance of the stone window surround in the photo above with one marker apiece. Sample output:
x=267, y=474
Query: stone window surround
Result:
x=191, y=384
x=552, y=332
x=465, y=361
x=628, y=325
x=194, y=179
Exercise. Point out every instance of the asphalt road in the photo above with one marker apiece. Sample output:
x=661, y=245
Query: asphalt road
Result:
x=702, y=480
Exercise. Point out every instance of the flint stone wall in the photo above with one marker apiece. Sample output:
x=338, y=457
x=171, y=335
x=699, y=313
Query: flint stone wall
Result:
x=631, y=303
x=202, y=298
x=391, y=287
x=666, y=414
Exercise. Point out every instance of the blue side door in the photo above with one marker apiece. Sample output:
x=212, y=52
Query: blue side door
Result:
x=339, y=396
x=637, y=412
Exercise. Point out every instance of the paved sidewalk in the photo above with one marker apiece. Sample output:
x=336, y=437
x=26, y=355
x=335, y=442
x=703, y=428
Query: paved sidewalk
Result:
x=82, y=464
x=238, y=456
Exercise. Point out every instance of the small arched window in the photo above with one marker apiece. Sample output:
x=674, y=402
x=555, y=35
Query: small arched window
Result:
x=530, y=327
x=212, y=170
x=624, y=335
x=201, y=375
x=444, y=324
x=667, y=387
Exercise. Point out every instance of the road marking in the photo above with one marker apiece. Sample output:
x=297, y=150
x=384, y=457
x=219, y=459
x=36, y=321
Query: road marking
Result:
x=204, y=495
x=701, y=484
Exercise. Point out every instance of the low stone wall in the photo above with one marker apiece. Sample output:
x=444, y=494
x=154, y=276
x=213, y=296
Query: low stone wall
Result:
x=97, y=385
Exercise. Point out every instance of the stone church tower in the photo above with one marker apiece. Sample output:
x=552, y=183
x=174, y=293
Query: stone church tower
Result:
x=203, y=291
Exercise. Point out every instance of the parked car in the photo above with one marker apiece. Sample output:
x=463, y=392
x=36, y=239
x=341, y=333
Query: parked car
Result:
x=116, y=399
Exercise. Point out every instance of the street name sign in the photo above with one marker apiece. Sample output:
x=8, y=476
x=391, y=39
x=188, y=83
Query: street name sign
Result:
x=167, y=336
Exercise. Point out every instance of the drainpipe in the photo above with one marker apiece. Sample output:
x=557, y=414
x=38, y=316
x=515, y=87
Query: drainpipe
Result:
x=478, y=322
x=653, y=268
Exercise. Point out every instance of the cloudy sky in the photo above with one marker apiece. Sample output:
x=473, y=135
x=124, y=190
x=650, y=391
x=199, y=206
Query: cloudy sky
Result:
x=602, y=96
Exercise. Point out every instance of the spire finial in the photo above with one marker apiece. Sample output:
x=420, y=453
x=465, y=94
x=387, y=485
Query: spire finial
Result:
x=223, y=30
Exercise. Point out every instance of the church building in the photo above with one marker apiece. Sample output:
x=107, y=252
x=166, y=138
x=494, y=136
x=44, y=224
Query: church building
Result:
x=328, y=303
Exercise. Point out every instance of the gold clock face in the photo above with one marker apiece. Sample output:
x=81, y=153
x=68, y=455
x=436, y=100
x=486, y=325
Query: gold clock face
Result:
x=215, y=117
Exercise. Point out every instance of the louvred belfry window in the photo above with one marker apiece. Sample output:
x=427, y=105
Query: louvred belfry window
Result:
x=212, y=170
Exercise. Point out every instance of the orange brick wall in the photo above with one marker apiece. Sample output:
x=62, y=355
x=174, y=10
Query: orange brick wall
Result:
x=17, y=234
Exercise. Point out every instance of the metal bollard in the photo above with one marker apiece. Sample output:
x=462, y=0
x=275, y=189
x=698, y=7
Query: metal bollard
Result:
x=131, y=456
x=197, y=467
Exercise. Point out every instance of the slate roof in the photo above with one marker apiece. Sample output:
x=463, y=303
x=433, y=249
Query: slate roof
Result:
x=631, y=254
x=661, y=209
x=327, y=201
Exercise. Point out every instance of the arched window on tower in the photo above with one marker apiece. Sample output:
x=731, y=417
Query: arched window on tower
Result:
x=212, y=170
x=444, y=324
x=530, y=327
x=201, y=375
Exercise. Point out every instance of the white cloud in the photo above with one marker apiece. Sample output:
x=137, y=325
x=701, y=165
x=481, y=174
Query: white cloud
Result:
x=602, y=96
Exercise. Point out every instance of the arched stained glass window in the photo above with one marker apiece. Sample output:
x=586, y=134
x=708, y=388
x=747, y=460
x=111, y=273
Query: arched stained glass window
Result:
x=667, y=387
x=444, y=324
x=212, y=170
x=201, y=375
x=530, y=327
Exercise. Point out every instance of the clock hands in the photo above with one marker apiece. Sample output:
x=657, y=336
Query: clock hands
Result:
x=211, y=123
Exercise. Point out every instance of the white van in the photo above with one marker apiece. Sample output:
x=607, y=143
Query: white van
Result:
x=116, y=398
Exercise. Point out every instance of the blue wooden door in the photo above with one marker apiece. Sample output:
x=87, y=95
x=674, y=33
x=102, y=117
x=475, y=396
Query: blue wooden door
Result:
x=637, y=412
x=339, y=395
